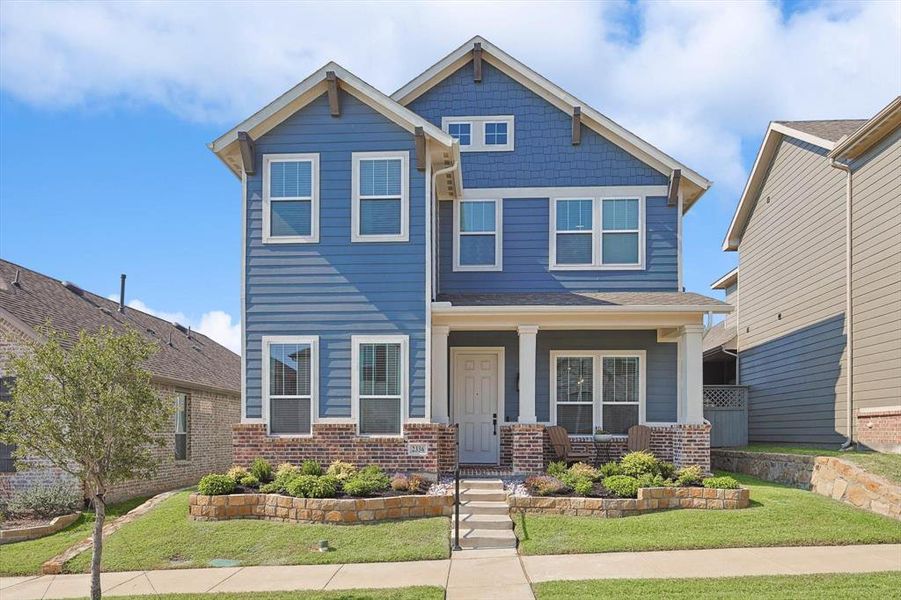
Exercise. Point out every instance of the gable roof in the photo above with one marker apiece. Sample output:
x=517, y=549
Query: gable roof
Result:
x=870, y=133
x=265, y=119
x=719, y=338
x=829, y=130
x=693, y=185
x=38, y=299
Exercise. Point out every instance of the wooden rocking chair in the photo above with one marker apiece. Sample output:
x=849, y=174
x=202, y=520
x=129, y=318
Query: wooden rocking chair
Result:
x=562, y=447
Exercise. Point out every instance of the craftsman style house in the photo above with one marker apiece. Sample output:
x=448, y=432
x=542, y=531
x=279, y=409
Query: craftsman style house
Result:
x=479, y=252
x=818, y=320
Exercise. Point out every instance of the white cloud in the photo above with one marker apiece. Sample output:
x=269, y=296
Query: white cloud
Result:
x=698, y=79
x=215, y=324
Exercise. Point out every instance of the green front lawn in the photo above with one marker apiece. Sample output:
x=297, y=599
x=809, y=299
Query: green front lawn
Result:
x=858, y=585
x=165, y=538
x=409, y=593
x=886, y=465
x=778, y=516
x=26, y=558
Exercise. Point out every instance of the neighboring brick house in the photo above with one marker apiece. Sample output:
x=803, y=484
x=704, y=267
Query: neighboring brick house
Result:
x=201, y=376
x=384, y=301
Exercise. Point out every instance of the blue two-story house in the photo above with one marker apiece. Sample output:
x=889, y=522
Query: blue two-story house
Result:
x=480, y=250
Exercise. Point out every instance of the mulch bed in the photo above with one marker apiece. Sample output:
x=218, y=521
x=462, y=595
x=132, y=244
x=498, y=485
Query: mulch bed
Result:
x=20, y=522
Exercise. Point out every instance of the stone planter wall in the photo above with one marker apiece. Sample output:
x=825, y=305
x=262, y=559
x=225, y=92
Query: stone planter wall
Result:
x=7, y=536
x=275, y=507
x=649, y=500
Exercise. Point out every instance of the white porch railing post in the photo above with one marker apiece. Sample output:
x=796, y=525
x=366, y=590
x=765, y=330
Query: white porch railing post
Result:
x=528, y=335
x=692, y=380
x=439, y=373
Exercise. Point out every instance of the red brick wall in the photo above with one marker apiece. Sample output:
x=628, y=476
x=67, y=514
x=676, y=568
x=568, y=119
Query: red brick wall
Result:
x=339, y=441
x=880, y=430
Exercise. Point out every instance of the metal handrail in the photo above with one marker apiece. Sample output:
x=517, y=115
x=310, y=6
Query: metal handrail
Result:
x=456, y=427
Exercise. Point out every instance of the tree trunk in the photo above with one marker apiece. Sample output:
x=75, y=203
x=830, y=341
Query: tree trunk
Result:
x=99, y=518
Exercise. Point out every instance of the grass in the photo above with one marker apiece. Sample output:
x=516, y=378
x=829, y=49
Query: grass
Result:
x=809, y=587
x=408, y=593
x=165, y=538
x=778, y=516
x=26, y=558
x=886, y=465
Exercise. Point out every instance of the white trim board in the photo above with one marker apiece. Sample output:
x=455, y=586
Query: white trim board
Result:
x=531, y=193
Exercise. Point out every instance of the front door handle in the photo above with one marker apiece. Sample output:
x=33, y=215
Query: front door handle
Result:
x=494, y=422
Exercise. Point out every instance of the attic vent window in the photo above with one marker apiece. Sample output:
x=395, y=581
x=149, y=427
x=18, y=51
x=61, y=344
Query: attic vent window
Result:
x=493, y=133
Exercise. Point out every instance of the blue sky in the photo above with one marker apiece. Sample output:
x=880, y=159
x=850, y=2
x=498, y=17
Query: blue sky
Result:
x=106, y=110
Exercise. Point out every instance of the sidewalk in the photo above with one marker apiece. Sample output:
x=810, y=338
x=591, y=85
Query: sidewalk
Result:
x=471, y=574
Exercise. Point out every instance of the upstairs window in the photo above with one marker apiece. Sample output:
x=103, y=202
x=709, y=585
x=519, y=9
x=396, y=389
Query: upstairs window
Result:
x=597, y=233
x=290, y=198
x=492, y=133
x=181, y=426
x=479, y=235
x=380, y=197
x=380, y=383
x=495, y=133
x=290, y=383
x=462, y=132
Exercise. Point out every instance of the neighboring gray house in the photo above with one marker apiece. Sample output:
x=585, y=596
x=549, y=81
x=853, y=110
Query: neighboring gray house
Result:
x=202, y=377
x=721, y=340
x=818, y=320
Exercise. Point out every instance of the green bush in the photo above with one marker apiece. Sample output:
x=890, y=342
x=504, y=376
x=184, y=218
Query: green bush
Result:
x=261, y=469
x=583, y=486
x=690, y=475
x=271, y=488
x=639, y=463
x=366, y=481
x=666, y=470
x=44, y=501
x=286, y=471
x=310, y=467
x=216, y=485
x=556, y=469
x=313, y=486
x=624, y=486
x=647, y=480
x=249, y=481
x=237, y=473
x=609, y=469
x=721, y=483
x=581, y=469
x=341, y=470
x=543, y=485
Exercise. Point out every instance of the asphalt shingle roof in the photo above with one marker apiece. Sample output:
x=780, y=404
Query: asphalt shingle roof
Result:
x=39, y=299
x=832, y=130
x=581, y=299
x=720, y=336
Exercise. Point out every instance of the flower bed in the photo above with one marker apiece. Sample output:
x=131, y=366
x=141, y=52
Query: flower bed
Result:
x=37, y=530
x=648, y=500
x=276, y=507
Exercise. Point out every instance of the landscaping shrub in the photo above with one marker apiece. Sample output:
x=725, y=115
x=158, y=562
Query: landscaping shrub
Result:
x=556, y=469
x=417, y=483
x=271, y=488
x=310, y=467
x=543, y=485
x=666, y=470
x=261, y=469
x=249, y=481
x=341, y=470
x=582, y=486
x=581, y=469
x=237, y=473
x=639, y=463
x=647, y=480
x=366, y=481
x=313, y=486
x=690, y=475
x=44, y=501
x=624, y=486
x=721, y=483
x=609, y=469
x=216, y=485
x=400, y=483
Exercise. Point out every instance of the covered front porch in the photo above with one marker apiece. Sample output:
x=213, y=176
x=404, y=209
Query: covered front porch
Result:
x=503, y=373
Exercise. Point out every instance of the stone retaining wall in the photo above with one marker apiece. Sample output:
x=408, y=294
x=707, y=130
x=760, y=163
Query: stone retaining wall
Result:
x=20, y=534
x=649, y=500
x=275, y=507
x=791, y=469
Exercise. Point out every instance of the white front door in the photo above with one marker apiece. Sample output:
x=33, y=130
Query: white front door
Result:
x=475, y=405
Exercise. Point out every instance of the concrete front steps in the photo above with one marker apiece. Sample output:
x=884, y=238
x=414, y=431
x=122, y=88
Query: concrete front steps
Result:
x=484, y=515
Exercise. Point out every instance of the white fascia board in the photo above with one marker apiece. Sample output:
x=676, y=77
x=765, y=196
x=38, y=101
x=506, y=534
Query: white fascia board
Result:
x=726, y=280
x=556, y=96
x=803, y=136
x=852, y=146
x=447, y=308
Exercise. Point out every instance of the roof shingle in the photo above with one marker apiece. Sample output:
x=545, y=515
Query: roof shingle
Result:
x=581, y=299
x=832, y=129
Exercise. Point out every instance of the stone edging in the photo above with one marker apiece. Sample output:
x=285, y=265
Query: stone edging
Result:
x=275, y=507
x=20, y=534
x=851, y=484
x=649, y=500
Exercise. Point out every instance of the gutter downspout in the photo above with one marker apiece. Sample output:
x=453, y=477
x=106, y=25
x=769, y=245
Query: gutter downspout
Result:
x=435, y=242
x=849, y=319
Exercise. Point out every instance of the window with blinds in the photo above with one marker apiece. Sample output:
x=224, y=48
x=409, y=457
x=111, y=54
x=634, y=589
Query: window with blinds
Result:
x=380, y=197
x=380, y=371
x=575, y=394
x=290, y=388
x=620, y=232
x=574, y=237
x=290, y=198
x=596, y=233
x=181, y=426
x=620, y=397
x=478, y=235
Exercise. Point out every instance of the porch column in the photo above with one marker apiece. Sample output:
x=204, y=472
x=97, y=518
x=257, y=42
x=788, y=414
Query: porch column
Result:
x=439, y=373
x=692, y=374
x=527, y=338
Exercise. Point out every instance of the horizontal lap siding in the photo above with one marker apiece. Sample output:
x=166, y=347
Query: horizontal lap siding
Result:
x=335, y=289
x=792, y=261
x=876, y=273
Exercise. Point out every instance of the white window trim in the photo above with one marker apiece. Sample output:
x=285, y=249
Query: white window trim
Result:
x=313, y=341
x=186, y=432
x=477, y=132
x=313, y=238
x=356, y=342
x=597, y=372
x=597, y=233
x=498, y=235
x=404, y=235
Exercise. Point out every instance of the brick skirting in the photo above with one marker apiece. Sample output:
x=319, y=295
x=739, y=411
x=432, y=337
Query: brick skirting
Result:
x=649, y=500
x=275, y=507
x=880, y=429
x=339, y=441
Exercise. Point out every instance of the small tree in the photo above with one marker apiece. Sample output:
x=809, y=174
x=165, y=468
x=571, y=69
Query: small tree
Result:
x=89, y=410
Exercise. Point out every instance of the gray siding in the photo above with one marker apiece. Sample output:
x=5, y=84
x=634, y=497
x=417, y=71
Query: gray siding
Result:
x=792, y=263
x=876, y=275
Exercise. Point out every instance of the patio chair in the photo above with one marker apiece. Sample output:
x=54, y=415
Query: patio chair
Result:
x=639, y=438
x=562, y=446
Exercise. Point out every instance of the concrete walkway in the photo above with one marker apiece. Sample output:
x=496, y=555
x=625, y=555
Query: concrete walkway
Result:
x=471, y=574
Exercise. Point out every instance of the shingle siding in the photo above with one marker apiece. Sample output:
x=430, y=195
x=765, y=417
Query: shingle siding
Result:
x=335, y=289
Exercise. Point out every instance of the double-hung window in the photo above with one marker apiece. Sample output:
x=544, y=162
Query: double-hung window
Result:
x=290, y=383
x=479, y=235
x=597, y=390
x=380, y=197
x=484, y=133
x=181, y=426
x=290, y=198
x=597, y=233
x=379, y=371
